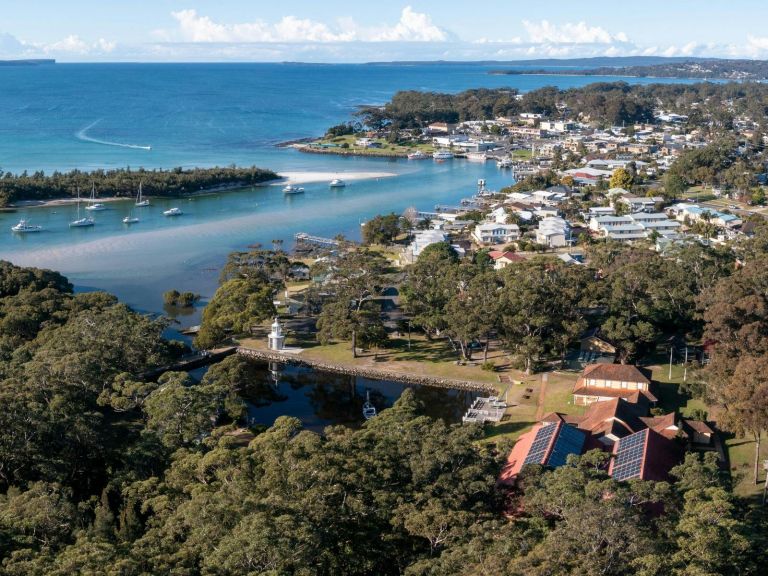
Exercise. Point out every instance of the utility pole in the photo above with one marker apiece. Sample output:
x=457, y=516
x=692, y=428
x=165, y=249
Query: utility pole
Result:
x=685, y=369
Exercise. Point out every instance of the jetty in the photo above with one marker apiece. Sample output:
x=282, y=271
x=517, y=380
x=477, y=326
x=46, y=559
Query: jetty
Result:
x=192, y=361
x=304, y=238
x=485, y=409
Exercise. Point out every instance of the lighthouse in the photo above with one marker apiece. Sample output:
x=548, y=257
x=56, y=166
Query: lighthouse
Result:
x=276, y=339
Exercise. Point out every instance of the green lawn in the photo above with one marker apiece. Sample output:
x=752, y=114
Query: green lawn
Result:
x=387, y=149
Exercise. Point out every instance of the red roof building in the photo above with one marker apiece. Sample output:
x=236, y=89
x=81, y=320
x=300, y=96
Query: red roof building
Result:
x=548, y=443
x=601, y=382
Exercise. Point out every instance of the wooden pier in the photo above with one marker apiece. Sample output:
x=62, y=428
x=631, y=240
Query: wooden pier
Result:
x=187, y=363
x=304, y=238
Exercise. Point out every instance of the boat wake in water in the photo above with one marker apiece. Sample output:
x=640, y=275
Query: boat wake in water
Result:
x=83, y=135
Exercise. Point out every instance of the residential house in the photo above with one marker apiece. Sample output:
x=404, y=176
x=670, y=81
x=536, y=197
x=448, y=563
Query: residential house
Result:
x=696, y=213
x=553, y=232
x=600, y=382
x=504, y=259
x=492, y=233
x=640, y=203
x=547, y=444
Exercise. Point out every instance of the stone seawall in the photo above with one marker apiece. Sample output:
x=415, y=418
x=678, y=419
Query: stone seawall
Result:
x=365, y=372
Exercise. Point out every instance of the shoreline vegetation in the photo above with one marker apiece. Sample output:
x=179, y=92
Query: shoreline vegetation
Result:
x=38, y=188
x=702, y=69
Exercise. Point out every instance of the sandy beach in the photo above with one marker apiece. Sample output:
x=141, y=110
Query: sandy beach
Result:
x=309, y=177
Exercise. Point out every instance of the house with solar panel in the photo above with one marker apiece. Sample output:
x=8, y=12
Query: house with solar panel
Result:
x=600, y=382
x=641, y=446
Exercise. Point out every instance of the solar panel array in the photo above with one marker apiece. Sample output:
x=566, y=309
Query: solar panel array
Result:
x=569, y=441
x=628, y=461
x=540, y=444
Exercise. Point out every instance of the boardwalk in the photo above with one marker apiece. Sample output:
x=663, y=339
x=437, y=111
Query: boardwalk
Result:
x=304, y=238
x=193, y=361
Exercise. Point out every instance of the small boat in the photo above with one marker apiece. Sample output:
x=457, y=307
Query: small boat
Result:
x=23, y=227
x=337, y=183
x=293, y=189
x=442, y=155
x=369, y=410
x=418, y=155
x=80, y=222
x=95, y=206
x=140, y=200
x=130, y=219
x=173, y=212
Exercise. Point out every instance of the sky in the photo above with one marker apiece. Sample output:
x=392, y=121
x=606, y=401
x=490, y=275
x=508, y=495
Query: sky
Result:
x=363, y=31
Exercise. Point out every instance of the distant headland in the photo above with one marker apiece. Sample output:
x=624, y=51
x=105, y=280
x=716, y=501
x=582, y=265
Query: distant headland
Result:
x=28, y=62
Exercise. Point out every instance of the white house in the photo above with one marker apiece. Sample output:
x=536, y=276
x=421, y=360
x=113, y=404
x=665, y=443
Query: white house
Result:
x=498, y=215
x=553, y=232
x=492, y=233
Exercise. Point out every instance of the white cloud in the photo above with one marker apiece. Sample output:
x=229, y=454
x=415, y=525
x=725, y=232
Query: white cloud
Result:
x=570, y=33
x=412, y=27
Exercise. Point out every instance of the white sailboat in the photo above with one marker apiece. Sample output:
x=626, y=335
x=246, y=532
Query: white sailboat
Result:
x=130, y=219
x=140, y=200
x=81, y=222
x=94, y=206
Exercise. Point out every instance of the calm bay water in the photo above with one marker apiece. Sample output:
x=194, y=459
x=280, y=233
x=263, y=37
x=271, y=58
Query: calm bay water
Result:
x=90, y=116
x=319, y=399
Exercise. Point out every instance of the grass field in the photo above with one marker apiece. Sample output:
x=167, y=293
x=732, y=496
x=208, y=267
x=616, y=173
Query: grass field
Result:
x=387, y=149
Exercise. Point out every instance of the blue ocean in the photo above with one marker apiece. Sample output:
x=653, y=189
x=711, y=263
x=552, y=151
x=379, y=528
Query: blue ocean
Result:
x=92, y=116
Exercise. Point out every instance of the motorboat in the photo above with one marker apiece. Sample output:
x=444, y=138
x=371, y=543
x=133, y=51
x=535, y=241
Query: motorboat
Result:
x=418, y=155
x=140, y=200
x=293, y=189
x=369, y=410
x=173, y=212
x=337, y=183
x=82, y=222
x=24, y=227
x=442, y=155
x=130, y=219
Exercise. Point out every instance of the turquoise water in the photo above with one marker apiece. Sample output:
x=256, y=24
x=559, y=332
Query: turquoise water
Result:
x=90, y=116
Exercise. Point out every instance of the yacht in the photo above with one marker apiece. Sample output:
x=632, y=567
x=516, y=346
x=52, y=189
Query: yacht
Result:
x=173, y=212
x=130, y=219
x=293, y=189
x=95, y=206
x=81, y=222
x=24, y=227
x=140, y=200
x=337, y=183
x=369, y=410
x=442, y=155
x=418, y=155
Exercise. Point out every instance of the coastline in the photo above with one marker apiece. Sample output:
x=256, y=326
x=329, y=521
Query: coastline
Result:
x=366, y=372
x=302, y=177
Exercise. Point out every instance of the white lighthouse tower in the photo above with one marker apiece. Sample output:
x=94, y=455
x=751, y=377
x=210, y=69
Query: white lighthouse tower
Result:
x=276, y=338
